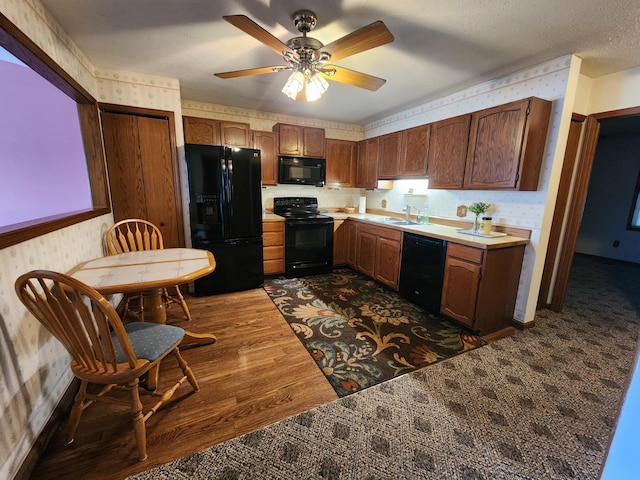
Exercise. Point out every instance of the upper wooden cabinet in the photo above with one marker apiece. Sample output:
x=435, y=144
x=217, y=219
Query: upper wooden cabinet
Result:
x=201, y=131
x=341, y=163
x=367, y=163
x=390, y=148
x=404, y=153
x=235, y=134
x=448, y=152
x=415, y=151
x=266, y=142
x=506, y=146
x=206, y=131
x=301, y=141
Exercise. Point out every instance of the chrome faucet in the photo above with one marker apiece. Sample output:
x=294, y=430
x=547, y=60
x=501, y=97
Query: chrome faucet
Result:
x=407, y=215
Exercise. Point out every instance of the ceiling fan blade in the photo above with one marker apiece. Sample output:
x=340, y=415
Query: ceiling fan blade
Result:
x=251, y=71
x=357, y=79
x=250, y=27
x=365, y=38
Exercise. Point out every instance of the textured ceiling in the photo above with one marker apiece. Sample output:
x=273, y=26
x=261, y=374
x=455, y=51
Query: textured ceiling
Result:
x=440, y=46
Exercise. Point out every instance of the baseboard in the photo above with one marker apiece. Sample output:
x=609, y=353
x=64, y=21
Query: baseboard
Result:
x=60, y=414
x=505, y=332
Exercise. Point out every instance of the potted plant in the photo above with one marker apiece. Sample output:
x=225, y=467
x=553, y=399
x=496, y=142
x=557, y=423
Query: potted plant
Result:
x=478, y=208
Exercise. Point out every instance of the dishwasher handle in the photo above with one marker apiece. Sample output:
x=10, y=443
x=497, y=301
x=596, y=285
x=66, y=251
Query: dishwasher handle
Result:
x=420, y=240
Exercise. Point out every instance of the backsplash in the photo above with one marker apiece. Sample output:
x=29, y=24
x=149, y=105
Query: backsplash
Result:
x=330, y=198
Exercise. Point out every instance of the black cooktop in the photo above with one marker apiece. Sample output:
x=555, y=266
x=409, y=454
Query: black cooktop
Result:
x=298, y=208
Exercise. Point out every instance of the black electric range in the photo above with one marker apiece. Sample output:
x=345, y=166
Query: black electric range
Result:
x=308, y=236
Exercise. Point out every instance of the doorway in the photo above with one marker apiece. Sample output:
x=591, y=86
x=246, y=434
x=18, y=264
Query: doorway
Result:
x=572, y=197
x=143, y=168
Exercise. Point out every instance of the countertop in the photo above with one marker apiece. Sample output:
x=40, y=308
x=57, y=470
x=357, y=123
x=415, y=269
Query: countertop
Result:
x=434, y=230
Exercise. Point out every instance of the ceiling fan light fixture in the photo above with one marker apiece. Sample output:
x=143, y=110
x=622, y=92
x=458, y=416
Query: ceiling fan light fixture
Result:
x=294, y=84
x=316, y=86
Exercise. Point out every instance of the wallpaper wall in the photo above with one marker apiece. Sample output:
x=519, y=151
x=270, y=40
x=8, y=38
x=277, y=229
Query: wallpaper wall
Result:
x=34, y=367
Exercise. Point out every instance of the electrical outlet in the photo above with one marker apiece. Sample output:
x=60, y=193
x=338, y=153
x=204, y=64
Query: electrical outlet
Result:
x=462, y=211
x=616, y=243
x=384, y=203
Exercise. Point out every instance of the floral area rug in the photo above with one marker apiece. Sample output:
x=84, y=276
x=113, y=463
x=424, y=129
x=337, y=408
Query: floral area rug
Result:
x=361, y=333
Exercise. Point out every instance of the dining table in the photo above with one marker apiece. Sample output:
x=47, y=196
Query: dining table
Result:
x=149, y=271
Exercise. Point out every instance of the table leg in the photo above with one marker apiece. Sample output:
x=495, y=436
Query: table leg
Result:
x=158, y=314
x=192, y=339
x=154, y=306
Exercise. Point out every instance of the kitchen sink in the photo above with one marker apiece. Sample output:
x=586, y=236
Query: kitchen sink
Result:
x=398, y=221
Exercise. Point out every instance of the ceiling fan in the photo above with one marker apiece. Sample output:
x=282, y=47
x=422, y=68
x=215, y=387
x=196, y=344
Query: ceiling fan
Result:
x=309, y=58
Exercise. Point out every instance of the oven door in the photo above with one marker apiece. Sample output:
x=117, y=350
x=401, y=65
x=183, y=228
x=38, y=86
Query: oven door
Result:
x=308, y=247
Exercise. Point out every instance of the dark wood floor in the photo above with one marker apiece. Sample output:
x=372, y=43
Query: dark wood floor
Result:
x=256, y=374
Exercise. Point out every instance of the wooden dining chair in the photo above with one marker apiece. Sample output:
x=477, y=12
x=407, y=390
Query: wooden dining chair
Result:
x=132, y=235
x=103, y=350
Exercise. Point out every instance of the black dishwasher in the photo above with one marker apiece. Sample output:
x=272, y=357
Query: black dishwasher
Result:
x=422, y=270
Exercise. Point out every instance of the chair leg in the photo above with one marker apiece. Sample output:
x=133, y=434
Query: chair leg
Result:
x=76, y=412
x=139, y=427
x=183, y=303
x=186, y=369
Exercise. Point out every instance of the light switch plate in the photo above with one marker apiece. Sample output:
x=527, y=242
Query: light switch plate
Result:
x=462, y=211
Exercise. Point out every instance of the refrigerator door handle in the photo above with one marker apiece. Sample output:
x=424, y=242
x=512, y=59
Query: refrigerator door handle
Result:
x=230, y=184
x=230, y=179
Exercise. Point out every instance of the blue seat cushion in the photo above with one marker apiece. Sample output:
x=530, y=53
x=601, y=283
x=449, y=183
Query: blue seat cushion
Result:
x=149, y=340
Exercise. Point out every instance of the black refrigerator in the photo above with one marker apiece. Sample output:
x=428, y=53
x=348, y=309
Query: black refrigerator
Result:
x=225, y=209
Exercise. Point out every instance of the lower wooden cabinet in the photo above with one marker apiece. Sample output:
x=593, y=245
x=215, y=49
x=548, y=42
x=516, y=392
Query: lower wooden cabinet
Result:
x=480, y=286
x=379, y=253
x=351, y=233
x=273, y=247
x=340, y=242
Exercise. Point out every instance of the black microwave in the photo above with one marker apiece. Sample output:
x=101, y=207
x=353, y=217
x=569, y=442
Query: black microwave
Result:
x=302, y=171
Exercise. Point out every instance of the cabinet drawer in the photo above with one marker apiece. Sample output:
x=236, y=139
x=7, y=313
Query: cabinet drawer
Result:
x=272, y=238
x=463, y=252
x=273, y=266
x=273, y=226
x=389, y=233
x=271, y=253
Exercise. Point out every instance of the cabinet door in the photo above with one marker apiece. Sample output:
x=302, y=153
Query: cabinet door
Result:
x=366, y=252
x=389, y=155
x=340, y=163
x=340, y=242
x=460, y=290
x=352, y=238
x=266, y=143
x=313, y=142
x=367, y=163
x=495, y=146
x=415, y=151
x=448, y=152
x=289, y=139
x=234, y=134
x=388, y=255
x=201, y=131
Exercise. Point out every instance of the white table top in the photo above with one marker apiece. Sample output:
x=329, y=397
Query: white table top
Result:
x=145, y=270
